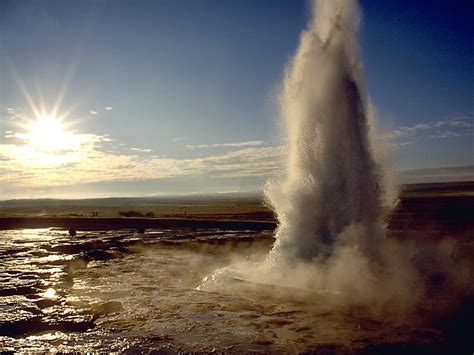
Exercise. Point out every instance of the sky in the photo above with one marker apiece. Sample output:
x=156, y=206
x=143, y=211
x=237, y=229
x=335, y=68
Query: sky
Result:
x=136, y=98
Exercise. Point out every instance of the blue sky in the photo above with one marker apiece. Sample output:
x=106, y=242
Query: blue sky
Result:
x=181, y=96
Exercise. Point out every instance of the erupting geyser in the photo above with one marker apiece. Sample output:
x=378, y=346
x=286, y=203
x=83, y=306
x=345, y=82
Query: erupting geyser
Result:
x=331, y=200
x=333, y=189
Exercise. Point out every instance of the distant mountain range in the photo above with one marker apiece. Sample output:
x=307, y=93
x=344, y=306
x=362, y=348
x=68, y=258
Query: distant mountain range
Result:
x=195, y=199
x=204, y=199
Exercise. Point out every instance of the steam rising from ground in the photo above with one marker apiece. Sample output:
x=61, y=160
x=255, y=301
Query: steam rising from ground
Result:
x=332, y=201
x=334, y=196
x=332, y=179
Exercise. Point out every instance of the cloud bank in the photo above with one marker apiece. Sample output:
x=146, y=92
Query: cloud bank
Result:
x=91, y=161
x=459, y=126
x=226, y=145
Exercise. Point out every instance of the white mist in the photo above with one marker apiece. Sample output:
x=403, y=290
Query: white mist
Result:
x=332, y=182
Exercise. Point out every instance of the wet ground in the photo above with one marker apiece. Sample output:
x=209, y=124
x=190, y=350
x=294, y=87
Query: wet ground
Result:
x=127, y=292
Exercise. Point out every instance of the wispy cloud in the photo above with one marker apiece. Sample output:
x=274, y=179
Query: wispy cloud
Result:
x=142, y=150
x=9, y=134
x=459, y=126
x=451, y=134
x=88, y=162
x=410, y=130
x=398, y=145
x=94, y=112
x=223, y=145
x=463, y=121
x=108, y=108
x=12, y=113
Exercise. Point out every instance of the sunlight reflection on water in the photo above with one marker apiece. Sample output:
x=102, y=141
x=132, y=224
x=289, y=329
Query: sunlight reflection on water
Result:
x=117, y=291
x=49, y=293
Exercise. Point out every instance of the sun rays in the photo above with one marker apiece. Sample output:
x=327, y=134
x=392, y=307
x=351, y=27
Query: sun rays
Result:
x=44, y=136
x=48, y=134
x=46, y=139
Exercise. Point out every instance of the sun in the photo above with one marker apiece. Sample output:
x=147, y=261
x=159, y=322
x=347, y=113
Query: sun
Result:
x=47, y=141
x=48, y=133
x=45, y=137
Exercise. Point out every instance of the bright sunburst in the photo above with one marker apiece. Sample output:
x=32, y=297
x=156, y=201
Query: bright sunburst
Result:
x=47, y=133
x=47, y=141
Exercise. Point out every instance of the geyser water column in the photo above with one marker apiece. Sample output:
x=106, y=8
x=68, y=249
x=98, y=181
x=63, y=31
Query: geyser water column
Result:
x=332, y=190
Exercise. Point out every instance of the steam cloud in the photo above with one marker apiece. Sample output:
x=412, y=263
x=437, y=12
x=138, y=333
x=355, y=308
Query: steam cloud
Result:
x=332, y=201
x=333, y=181
x=336, y=190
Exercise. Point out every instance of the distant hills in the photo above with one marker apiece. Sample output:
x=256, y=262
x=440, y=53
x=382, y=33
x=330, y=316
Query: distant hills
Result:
x=213, y=199
x=195, y=199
